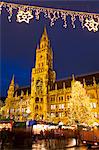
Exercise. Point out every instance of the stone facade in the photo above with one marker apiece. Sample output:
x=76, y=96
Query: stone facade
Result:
x=47, y=98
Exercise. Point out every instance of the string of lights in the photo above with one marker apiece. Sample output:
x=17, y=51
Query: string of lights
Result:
x=26, y=12
x=79, y=105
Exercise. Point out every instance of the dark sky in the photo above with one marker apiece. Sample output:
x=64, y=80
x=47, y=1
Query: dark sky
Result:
x=75, y=50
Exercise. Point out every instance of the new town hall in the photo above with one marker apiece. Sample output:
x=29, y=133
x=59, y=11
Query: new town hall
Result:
x=47, y=98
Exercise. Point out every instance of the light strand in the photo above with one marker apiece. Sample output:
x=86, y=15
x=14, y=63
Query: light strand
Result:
x=26, y=12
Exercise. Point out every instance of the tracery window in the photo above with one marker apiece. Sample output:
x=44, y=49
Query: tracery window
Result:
x=36, y=107
x=36, y=100
x=61, y=106
x=53, y=107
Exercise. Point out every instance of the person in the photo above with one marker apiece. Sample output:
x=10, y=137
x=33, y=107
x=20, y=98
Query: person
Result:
x=60, y=124
x=41, y=134
x=3, y=138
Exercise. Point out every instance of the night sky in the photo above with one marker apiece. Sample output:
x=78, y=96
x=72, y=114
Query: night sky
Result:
x=76, y=51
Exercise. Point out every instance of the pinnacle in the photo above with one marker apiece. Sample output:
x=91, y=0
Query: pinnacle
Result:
x=12, y=81
x=44, y=35
x=13, y=77
x=45, y=31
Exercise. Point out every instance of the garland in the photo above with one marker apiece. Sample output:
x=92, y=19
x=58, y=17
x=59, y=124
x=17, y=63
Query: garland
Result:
x=25, y=13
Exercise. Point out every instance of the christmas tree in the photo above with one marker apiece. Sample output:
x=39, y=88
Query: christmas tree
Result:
x=79, y=108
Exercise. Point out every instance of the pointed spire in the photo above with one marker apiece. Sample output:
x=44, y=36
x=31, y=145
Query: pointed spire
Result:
x=11, y=88
x=13, y=77
x=64, y=85
x=55, y=86
x=73, y=79
x=16, y=95
x=84, y=82
x=27, y=93
x=16, y=86
x=37, y=46
x=22, y=93
x=44, y=34
x=45, y=31
x=44, y=41
x=12, y=81
x=94, y=81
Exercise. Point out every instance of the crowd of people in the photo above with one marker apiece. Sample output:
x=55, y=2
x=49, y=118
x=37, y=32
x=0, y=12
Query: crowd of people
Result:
x=26, y=135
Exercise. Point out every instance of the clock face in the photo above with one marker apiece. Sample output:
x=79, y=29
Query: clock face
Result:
x=39, y=84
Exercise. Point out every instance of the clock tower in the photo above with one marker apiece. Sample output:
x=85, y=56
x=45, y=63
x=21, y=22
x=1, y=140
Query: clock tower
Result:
x=42, y=77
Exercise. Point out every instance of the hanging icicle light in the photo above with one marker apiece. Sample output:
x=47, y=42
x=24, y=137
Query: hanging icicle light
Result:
x=91, y=25
x=25, y=14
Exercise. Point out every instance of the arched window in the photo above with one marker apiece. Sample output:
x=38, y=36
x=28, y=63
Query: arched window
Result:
x=36, y=107
x=36, y=100
x=41, y=100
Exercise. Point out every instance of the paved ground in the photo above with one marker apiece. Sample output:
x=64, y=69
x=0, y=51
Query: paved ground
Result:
x=50, y=144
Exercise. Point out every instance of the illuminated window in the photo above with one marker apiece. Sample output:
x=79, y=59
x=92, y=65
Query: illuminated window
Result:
x=36, y=107
x=11, y=110
x=17, y=110
x=95, y=114
x=36, y=100
x=93, y=105
x=53, y=107
x=61, y=106
x=41, y=99
x=60, y=114
x=52, y=114
x=23, y=109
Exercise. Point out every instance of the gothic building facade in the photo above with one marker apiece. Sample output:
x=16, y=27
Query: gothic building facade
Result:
x=47, y=98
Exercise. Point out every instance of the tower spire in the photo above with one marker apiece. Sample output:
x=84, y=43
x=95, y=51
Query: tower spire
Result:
x=73, y=79
x=44, y=41
x=45, y=31
x=11, y=88
x=94, y=82
x=44, y=35
x=12, y=81
x=84, y=83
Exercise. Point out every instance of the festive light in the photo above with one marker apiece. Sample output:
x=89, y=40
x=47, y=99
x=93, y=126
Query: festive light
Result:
x=24, y=16
x=28, y=111
x=79, y=106
x=91, y=25
x=26, y=12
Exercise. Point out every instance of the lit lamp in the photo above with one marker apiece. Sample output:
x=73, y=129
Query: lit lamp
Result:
x=28, y=111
